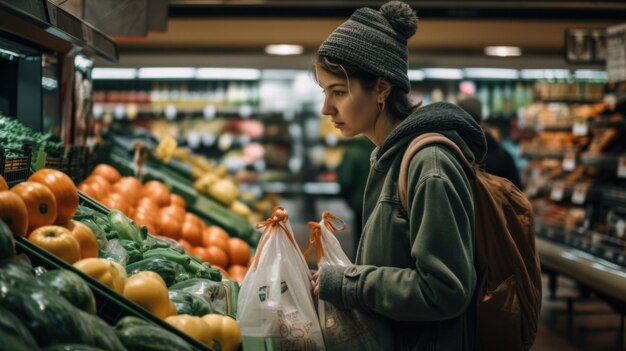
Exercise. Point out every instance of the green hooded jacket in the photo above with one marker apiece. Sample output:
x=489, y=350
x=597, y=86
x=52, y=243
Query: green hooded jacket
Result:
x=416, y=269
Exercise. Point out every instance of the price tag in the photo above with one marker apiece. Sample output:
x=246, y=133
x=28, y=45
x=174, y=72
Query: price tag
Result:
x=170, y=112
x=579, y=194
x=569, y=161
x=620, y=258
x=550, y=233
x=608, y=254
x=558, y=189
x=209, y=112
x=580, y=127
x=621, y=167
x=87, y=34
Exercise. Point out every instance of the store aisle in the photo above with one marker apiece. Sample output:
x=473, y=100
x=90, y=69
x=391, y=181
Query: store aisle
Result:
x=594, y=326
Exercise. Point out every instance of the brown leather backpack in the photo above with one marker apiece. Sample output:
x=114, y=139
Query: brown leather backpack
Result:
x=508, y=295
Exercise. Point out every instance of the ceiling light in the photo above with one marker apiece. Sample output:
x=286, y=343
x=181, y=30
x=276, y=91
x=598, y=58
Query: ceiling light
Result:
x=228, y=73
x=284, y=49
x=416, y=75
x=491, y=73
x=591, y=74
x=443, y=73
x=166, y=73
x=113, y=73
x=545, y=74
x=503, y=51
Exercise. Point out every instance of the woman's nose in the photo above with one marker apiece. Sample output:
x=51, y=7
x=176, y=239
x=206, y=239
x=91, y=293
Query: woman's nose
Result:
x=327, y=108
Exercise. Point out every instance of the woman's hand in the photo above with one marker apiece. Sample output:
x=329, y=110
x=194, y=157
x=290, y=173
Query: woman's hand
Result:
x=315, y=283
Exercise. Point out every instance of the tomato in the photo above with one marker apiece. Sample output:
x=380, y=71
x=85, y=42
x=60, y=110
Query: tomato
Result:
x=108, y=172
x=40, y=202
x=4, y=186
x=215, y=236
x=226, y=331
x=86, y=239
x=237, y=272
x=105, y=271
x=14, y=213
x=157, y=191
x=57, y=240
x=63, y=189
x=177, y=200
x=217, y=256
x=239, y=251
x=193, y=326
x=148, y=291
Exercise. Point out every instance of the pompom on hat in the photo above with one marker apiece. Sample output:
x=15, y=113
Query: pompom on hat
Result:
x=375, y=41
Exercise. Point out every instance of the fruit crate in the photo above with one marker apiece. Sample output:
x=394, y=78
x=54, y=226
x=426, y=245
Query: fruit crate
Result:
x=72, y=162
x=16, y=169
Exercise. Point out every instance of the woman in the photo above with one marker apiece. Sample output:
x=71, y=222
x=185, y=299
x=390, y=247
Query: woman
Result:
x=415, y=269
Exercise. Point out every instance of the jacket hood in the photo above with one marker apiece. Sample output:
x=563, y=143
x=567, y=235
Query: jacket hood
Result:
x=441, y=117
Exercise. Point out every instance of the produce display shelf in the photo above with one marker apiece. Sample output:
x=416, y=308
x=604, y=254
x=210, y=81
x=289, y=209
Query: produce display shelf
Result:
x=201, y=205
x=111, y=306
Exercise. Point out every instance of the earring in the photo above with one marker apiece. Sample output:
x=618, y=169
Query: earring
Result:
x=381, y=105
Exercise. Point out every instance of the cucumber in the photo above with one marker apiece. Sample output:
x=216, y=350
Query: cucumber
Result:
x=151, y=338
x=188, y=303
x=72, y=287
x=12, y=342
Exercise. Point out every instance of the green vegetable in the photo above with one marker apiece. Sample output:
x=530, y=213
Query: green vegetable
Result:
x=114, y=251
x=124, y=227
x=11, y=325
x=201, y=269
x=151, y=338
x=188, y=303
x=71, y=347
x=48, y=316
x=7, y=243
x=13, y=135
x=133, y=250
x=129, y=321
x=169, y=254
x=72, y=287
x=152, y=242
x=169, y=270
x=216, y=294
x=11, y=342
x=104, y=336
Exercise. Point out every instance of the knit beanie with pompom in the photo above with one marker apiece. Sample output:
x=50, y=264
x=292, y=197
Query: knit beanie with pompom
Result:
x=375, y=41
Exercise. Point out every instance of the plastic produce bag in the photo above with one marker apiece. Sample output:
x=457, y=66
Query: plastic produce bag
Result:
x=275, y=301
x=344, y=329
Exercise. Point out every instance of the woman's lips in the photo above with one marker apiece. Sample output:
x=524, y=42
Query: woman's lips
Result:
x=337, y=124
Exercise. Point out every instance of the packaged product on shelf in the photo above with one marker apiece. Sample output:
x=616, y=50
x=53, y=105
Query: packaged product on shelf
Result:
x=344, y=329
x=275, y=301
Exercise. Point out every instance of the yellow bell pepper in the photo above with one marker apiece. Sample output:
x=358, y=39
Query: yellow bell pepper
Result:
x=225, y=331
x=193, y=326
x=107, y=272
x=148, y=290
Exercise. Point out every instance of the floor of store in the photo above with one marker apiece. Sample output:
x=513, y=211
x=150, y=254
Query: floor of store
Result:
x=592, y=324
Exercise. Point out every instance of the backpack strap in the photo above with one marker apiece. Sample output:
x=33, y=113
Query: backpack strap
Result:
x=416, y=145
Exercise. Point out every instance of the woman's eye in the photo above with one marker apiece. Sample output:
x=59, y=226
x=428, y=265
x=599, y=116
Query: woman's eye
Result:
x=338, y=93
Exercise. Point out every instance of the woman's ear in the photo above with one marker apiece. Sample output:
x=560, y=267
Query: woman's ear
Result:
x=383, y=87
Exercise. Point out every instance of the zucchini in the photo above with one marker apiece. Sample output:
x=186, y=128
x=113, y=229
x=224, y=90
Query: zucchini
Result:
x=170, y=271
x=72, y=287
x=7, y=243
x=151, y=338
x=12, y=342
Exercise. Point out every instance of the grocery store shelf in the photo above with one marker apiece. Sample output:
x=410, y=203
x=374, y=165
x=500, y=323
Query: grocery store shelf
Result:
x=603, y=161
x=588, y=269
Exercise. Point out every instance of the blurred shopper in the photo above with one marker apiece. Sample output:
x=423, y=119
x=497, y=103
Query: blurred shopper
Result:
x=352, y=177
x=498, y=160
x=414, y=269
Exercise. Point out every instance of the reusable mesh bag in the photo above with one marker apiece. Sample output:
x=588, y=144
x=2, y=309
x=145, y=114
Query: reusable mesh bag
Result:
x=275, y=300
x=344, y=329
